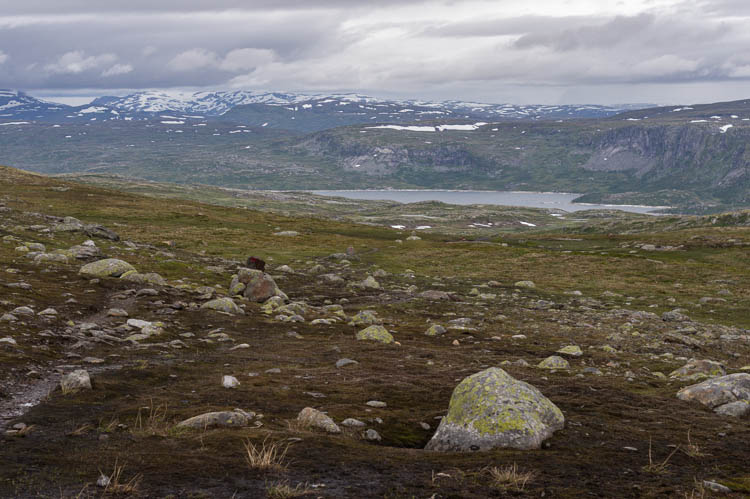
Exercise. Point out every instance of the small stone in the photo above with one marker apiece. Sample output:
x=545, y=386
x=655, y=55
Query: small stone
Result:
x=229, y=382
x=351, y=422
x=103, y=481
x=273, y=370
x=377, y=403
x=116, y=312
x=8, y=340
x=372, y=436
x=525, y=284
x=345, y=362
x=716, y=487
x=435, y=330
x=27, y=311
x=224, y=419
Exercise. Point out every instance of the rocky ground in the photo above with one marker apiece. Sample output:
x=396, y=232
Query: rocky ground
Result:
x=138, y=355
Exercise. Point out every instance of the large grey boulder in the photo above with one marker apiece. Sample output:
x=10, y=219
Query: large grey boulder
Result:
x=259, y=286
x=721, y=394
x=109, y=267
x=224, y=419
x=491, y=409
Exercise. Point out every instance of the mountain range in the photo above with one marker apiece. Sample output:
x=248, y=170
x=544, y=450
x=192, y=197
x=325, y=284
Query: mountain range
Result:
x=694, y=158
x=290, y=111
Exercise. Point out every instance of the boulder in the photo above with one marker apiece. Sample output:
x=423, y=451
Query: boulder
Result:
x=718, y=393
x=554, y=362
x=226, y=305
x=375, y=333
x=259, y=286
x=148, y=278
x=699, y=369
x=109, y=267
x=222, y=419
x=76, y=380
x=364, y=318
x=313, y=418
x=435, y=330
x=571, y=351
x=491, y=409
x=525, y=284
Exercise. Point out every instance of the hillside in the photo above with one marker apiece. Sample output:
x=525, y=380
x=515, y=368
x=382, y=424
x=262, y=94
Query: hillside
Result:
x=638, y=305
x=692, y=158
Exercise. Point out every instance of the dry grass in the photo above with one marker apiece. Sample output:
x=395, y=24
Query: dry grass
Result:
x=692, y=449
x=152, y=422
x=282, y=490
x=658, y=468
x=267, y=456
x=510, y=478
x=81, y=430
x=118, y=486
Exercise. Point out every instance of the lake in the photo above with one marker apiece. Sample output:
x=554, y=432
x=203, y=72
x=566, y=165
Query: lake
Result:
x=551, y=200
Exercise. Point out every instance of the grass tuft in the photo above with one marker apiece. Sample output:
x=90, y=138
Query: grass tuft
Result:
x=266, y=456
x=282, y=490
x=510, y=478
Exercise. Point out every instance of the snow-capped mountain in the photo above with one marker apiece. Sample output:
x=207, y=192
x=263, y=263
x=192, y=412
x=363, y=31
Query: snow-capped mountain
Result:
x=18, y=105
x=299, y=112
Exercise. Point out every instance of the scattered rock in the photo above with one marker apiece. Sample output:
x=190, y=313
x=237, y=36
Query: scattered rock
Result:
x=718, y=392
x=571, y=351
x=377, y=403
x=226, y=305
x=345, y=362
x=435, y=330
x=74, y=381
x=313, y=418
x=491, y=409
x=375, y=333
x=259, y=286
x=554, y=362
x=365, y=318
x=372, y=436
x=109, y=267
x=525, y=284
x=353, y=423
x=696, y=369
x=229, y=382
x=222, y=419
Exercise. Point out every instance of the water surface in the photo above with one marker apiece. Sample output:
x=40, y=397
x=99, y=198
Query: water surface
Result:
x=551, y=200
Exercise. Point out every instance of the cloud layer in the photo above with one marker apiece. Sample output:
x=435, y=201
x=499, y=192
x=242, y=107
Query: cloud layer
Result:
x=491, y=50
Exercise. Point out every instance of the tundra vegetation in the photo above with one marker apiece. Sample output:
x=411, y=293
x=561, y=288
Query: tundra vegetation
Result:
x=118, y=381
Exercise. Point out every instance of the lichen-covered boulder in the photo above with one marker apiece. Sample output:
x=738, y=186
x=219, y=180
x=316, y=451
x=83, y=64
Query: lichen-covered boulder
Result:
x=571, y=351
x=147, y=278
x=720, y=394
x=699, y=369
x=313, y=418
x=226, y=305
x=364, y=318
x=259, y=286
x=435, y=330
x=491, y=409
x=375, y=333
x=223, y=419
x=525, y=284
x=109, y=267
x=554, y=362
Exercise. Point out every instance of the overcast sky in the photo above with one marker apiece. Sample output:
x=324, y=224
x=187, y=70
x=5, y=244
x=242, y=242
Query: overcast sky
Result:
x=519, y=51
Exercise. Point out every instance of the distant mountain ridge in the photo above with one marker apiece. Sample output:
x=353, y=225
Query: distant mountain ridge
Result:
x=299, y=112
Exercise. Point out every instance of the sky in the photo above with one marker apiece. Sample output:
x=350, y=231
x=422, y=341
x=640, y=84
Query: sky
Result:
x=517, y=51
